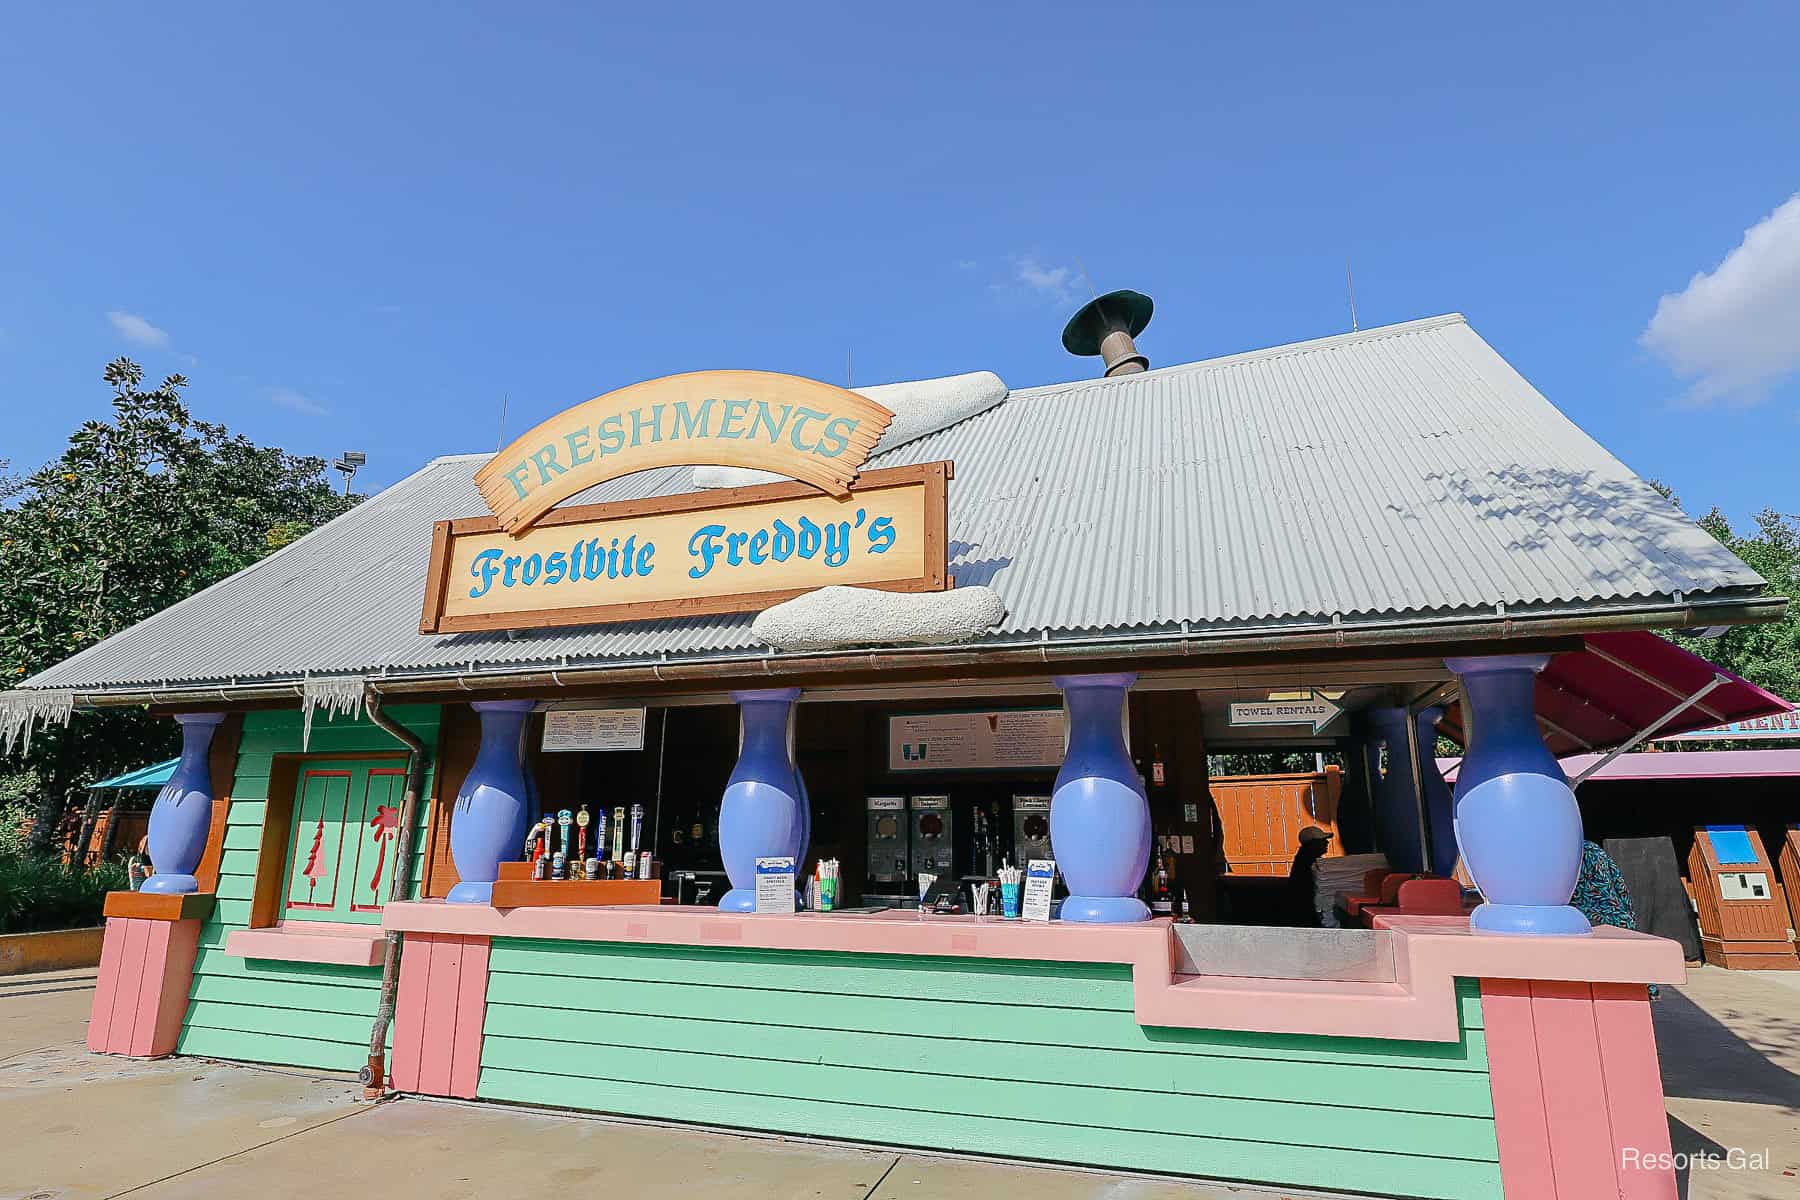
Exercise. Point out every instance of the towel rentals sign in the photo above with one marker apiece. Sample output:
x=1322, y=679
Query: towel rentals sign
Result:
x=531, y=565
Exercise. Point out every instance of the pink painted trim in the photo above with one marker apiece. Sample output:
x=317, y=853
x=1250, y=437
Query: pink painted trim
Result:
x=441, y=1009
x=132, y=968
x=443, y=985
x=146, y=971
x=106, y=987
x=1526, y=1168
x=177, y=983
x=1574, y=1089
x=471, y=1015
x=409, y=1011
x=1634, y=1095
x=1431, y=953
x=310, y=941
x=150, y=990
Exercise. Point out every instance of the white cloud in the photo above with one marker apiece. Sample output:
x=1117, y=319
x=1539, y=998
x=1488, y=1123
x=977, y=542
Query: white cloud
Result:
x=1053, y=283
x=134, y=328
x=1735, y=330
x=290, y=399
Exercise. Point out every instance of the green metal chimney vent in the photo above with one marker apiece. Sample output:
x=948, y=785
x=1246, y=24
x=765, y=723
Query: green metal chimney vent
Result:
x=1106, y=326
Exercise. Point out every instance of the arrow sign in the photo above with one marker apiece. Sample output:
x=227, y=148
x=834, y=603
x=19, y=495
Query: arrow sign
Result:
x=1317, y=712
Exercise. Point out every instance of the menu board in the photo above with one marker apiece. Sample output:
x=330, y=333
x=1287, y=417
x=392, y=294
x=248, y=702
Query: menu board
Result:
x=993, y=739
x=594, y=729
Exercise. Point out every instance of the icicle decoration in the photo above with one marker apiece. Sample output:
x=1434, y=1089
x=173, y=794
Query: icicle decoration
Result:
x=20, y=711
x=335, y=694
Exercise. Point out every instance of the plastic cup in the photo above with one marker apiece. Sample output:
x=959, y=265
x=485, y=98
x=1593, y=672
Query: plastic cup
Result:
x=1009, y=900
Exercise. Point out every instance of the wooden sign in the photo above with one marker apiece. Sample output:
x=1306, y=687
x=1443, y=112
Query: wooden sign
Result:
x=800, y=428
x=735, y=550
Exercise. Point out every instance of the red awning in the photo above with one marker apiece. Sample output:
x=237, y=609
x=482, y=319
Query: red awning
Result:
x=1601, y=697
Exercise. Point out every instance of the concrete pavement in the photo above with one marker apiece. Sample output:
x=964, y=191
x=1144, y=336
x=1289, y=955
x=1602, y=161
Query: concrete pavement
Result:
x=86, y=1127
x=1729, y=1042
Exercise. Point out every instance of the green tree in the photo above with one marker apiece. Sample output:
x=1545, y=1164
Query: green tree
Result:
x=138, y=512
x=1766, y=655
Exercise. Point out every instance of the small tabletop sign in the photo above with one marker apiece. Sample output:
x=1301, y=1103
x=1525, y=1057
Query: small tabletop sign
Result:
x=594, y=729
x=774, y=885
x=1040, y=879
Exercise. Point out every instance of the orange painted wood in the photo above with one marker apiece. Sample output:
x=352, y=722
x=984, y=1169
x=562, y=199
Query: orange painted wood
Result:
x=1262, y=816
x=1789, y=861
x=154, y=906
x=221, y=761
x=1754, y=932
x=459, y=737
x=1520, y=1124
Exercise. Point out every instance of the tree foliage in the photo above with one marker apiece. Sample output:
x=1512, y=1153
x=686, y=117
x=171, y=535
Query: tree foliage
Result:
x=137, y=513
x=1766, y=655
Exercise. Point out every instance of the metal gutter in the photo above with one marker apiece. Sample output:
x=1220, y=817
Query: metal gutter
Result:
x=1043, y=652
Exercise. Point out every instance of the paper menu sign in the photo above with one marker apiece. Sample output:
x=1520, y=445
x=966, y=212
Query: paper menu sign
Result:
x=1040, y=879
x=774, y=885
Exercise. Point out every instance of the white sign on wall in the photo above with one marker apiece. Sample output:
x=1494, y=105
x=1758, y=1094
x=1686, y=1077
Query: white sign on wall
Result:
x=594, y=729
x=995, y=739
x=1317, y=712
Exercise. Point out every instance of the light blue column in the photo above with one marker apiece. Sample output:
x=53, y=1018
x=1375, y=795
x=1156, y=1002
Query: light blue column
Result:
x=763, y=813
x=1099, y=816
x=1516, y=819
x=182, y=813
x=493, y=807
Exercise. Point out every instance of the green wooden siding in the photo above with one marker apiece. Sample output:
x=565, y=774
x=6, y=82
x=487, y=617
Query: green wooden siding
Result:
x=295, y=1014
x=1037, y=1060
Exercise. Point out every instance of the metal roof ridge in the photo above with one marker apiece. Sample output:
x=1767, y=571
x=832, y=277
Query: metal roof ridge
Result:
x=1310, y=345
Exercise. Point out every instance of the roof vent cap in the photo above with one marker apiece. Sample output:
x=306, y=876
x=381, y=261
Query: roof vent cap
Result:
x=1106, y=326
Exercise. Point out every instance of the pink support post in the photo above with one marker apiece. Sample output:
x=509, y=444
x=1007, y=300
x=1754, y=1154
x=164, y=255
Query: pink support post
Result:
x=439, y=1013
x=471, y=1013
x=146, y=972
x=1578, y=1101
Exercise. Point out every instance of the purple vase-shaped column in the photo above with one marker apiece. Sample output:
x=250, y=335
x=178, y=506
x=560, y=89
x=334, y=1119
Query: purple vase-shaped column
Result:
x=1517, y=823
x=493, y=809
x=183, y=810
x=763, y=812
x=1099, y=816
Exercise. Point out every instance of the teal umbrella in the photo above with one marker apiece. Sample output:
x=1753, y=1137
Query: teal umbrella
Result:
x=153, y=776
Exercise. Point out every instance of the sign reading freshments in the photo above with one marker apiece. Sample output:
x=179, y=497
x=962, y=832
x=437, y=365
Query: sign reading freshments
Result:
x=800, y=428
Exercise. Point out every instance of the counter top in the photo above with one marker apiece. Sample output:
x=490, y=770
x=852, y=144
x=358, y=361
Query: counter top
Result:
x=1429, y=955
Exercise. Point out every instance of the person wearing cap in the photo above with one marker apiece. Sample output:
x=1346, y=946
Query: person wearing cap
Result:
x=1299, y=908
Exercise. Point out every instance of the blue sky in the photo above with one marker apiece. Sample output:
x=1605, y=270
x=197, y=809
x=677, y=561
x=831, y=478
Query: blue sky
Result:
x=361, y=226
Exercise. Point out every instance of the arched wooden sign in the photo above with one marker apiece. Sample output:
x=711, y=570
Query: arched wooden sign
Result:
x=800, y=428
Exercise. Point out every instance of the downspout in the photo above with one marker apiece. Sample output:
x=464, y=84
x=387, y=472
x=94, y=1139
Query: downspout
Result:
x=417, y=759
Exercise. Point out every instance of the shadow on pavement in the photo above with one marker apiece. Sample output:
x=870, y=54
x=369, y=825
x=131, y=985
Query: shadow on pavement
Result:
x=1704, y=1059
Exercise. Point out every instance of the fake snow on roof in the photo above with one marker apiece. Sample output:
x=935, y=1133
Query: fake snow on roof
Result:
x=1401, y=473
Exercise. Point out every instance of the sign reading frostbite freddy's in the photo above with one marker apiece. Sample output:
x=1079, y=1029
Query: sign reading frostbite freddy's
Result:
x=800, y=428
x=736, y=550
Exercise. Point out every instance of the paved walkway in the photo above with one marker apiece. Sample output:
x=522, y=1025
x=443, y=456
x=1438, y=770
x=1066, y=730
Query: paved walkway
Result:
x=1730, y=1048
x=78, y=1125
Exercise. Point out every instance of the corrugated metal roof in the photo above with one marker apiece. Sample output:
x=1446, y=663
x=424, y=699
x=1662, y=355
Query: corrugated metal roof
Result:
x=1399, y=471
